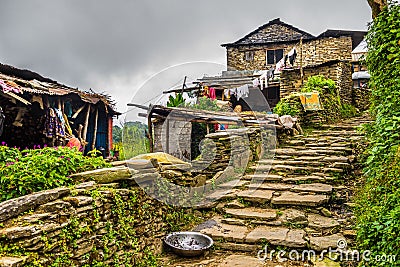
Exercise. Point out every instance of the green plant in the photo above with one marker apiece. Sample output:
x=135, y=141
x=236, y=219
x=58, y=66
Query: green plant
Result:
x=347, y=110
x=378, y=209
x=205, y=103
x=176, y=101
x=31, y=170
x=319, y=83
x=284, y=107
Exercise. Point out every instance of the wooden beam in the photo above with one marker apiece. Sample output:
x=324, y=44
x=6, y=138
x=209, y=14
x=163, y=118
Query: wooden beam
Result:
x=77, y=112
x=137, y=106
x=95, y=129
x=85, y=128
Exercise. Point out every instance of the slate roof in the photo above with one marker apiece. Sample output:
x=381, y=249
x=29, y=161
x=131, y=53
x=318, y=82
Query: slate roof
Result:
x=273, y=35
x=356, y=36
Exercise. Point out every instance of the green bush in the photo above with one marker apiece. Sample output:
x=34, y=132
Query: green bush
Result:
x=205, y=103
x=378, y=212
x=32, y=170
x=319, y=83
x=285, y=107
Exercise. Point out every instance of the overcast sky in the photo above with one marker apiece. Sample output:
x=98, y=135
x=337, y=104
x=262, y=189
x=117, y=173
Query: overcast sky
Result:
x=113, y=46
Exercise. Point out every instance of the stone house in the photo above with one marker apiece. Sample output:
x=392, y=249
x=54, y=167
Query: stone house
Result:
x=329, y=53
x=40, y=111
x=264, y=47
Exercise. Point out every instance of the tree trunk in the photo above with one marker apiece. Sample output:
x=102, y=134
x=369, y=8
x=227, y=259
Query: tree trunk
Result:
x=377, y=6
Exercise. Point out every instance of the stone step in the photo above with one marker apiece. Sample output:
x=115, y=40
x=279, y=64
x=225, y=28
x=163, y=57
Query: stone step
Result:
x=252, y=213
x=277, y=236
x=299, y=199
x=313, y=188
x=314, y=177
x=308, y=178
x=232, y=184
x=263, y=177
x=242, y=236
x=308, y=152
x=256, y=196
x=342, y=162
x=295, y=169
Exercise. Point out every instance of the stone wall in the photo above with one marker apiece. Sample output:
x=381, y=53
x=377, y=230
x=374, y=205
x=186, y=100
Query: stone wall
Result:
x=170, y=136
x=338, y=71
x=236, y=148
x=315, y=52
x=361, y=98
x=111, y=221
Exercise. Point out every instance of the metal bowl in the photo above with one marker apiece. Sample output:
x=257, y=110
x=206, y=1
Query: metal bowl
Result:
x=188, y=244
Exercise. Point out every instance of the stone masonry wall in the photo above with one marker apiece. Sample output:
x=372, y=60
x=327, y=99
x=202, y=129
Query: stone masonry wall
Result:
x=170, y=136
x=314, y=52
x=111, y=221
x=339, y=72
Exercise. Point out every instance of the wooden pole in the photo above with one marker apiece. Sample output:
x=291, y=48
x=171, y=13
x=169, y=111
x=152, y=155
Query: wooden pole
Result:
x=78, y=111
x=184, y=84
x=95, y=129
x=85, y=128
x=150, y=125
x=301, y=61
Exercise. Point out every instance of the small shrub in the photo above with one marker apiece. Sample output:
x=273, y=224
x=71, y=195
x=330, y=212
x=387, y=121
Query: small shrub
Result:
x=32, y=170
x=284, y=107
x=319, y=83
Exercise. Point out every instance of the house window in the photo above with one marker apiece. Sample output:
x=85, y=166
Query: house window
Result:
x=249, y=55
x=274, y=56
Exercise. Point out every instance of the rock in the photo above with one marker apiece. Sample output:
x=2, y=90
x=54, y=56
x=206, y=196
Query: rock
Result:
x=12, y=261
x=293, y=216
x=290, y=198
x=277, y=236
x=326, y=263
x=258, y=196
x=295, y=239
x=263, y=177
x=172, y=174
x=315, y=188
x=104, y=176
x=326, y=242
x=252, y=213
x=234, y=221
x=140, y=164
x=13, y=207
x=321, y=223
x=350, y=233
x=86, y=186
x=200, y=180
x=227, y=232
x=241, y=261
x=235, y=204
x=17, y=232
x=79, y=201
x=271, y=186
x=326, y=212
x=237, y=247
x=55, y=206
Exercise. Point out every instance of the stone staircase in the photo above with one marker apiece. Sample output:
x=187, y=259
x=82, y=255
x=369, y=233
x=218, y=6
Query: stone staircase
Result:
x=302, y=201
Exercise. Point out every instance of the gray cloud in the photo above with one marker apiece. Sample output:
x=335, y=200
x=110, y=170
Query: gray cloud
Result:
x=115, y=45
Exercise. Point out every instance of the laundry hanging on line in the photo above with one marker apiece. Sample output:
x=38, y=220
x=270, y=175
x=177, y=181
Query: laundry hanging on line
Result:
x=240, y=92
x=310, y=101
x=9, y=87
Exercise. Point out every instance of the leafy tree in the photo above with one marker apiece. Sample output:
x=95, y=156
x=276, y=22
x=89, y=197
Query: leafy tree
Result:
x=378, y=212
